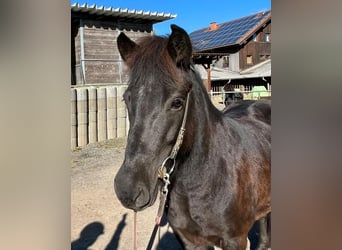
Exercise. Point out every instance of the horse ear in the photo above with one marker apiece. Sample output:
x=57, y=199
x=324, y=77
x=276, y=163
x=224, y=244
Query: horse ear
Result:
x=126, y=46
x=179, y=47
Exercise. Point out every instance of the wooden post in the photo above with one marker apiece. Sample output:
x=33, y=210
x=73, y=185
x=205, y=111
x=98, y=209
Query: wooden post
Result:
x=101, y=114
x=111, y=112
x=208, y=82
x=92, y=115
x=121, y=113
x=82, y=116
x=73, y=118
x=208, y=78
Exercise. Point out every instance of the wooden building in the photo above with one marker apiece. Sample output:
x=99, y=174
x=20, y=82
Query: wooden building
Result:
x=234, y=47
x=95, y=58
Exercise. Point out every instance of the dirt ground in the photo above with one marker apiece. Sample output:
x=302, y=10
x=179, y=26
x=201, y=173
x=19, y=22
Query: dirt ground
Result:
x=98, y=220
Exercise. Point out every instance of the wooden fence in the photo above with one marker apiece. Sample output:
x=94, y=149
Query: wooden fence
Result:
x=97, y=114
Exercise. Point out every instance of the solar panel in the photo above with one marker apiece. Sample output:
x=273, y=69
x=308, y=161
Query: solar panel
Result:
x=228, y=33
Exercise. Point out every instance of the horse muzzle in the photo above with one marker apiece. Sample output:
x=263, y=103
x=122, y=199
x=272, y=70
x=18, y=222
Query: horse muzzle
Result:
x=132, y=194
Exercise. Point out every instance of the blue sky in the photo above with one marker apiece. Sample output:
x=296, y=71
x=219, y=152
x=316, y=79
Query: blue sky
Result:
x=191, y=14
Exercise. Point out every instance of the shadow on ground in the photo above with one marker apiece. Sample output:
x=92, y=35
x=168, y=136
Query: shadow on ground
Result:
x=92, y=231
x=88, y=236
x=168, y=241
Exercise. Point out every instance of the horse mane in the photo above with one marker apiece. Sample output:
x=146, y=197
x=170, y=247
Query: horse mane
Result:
x=152, y=59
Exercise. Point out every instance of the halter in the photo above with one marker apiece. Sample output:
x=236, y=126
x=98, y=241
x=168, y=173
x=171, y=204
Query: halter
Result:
x=163, y=174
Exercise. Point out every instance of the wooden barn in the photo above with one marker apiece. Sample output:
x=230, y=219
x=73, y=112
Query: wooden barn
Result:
x=95, y=58
x=237, y=52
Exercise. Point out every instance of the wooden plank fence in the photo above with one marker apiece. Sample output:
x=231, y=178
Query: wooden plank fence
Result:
x=97, y=114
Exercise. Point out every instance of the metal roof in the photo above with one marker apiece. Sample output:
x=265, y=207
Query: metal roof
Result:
x=233, y=32
x=262, y=69
x=122, y=13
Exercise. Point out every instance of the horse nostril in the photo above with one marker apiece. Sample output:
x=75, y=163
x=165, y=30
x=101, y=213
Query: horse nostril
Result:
x=138, y=194
x=142, y=197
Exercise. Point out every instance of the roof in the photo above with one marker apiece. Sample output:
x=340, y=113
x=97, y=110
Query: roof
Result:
x=122, y=13
x=262, y=69
x=233, y=32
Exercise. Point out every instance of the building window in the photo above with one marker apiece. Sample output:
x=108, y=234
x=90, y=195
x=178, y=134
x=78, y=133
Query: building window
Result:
x=249, y=59
x=267, y=37
x=225, y=62
x=262, y=57
x=255, y=37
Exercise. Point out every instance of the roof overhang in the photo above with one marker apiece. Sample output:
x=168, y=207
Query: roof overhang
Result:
x=262, y=69
x=153, y=17
x=207, y=57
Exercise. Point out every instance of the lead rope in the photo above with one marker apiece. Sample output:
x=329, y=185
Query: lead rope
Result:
x=134, y=231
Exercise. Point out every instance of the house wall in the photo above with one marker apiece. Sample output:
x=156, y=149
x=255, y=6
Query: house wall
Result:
x=234, y=61
x=103, y=64
x=260, y=50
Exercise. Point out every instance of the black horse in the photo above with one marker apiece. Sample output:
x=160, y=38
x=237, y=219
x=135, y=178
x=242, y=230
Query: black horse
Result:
x=217, y=163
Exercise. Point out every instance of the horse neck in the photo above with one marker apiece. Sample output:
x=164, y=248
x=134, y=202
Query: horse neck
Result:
x=203, y=119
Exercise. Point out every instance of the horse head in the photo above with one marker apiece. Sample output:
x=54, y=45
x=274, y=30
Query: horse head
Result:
x=156, y=95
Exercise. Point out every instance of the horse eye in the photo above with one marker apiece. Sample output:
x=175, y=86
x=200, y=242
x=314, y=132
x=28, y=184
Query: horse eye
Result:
x=127, y=97
x=177, y=104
